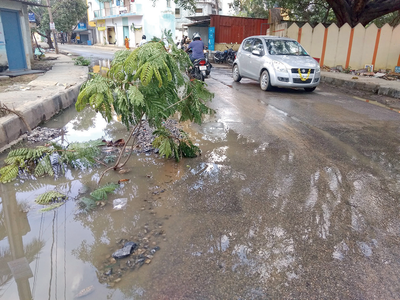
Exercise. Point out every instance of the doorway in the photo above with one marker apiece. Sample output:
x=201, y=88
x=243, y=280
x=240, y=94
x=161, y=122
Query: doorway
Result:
x=138, y=36
x=111, y=35
x=126, y=32
x=13, y=38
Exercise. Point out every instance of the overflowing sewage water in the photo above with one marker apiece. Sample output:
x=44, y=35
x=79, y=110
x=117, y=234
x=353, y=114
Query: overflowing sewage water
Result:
x=245, y=220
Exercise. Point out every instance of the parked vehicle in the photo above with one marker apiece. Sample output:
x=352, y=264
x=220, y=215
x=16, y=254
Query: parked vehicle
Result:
x=230, y=55
x=220, y=56
x=276, y=61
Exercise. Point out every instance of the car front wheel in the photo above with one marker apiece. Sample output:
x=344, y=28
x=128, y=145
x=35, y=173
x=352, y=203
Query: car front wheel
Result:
x=236, y=74
x=265, y=82
x=310, y=89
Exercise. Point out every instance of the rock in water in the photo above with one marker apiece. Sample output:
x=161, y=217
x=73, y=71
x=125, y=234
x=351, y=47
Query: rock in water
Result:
x=125, y=251
x=85, y=292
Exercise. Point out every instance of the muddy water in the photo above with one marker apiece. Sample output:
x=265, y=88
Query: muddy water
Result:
x=272, y=209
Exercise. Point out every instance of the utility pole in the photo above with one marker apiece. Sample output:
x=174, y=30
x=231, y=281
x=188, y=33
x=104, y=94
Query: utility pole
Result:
x=52, y=26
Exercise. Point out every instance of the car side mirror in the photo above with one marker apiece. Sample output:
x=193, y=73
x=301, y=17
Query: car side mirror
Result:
x=256, y=52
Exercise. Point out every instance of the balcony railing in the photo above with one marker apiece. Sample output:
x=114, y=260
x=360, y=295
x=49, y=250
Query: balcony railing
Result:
x=113, y=11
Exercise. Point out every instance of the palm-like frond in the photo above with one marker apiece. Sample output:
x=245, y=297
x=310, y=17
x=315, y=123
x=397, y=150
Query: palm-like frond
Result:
x=45, y=160
x=50, y=197
x=101, y=193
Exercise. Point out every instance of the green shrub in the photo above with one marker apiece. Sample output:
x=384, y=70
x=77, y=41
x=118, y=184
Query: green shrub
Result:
x=81, y=61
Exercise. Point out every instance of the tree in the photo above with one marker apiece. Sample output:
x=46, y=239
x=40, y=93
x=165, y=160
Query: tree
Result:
x=312, y=11
x=339, y=11
x=393, y=19
x=149, y=83
x=361, y=11
x=66, y=15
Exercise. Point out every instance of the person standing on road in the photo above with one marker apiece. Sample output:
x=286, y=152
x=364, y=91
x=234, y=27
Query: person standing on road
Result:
x=143, y=41
x=197, y=47
x=126, y=42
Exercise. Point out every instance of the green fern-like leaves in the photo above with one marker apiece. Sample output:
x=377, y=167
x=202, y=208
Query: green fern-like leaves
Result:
x=186, y=147
x=49, y=197
x=38, y=161
x=9, y=173
x=97, y=93
x=52, y=206
x=101, y=193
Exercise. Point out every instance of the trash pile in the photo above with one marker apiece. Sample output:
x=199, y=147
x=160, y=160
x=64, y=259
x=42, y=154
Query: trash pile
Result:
x=368, y=72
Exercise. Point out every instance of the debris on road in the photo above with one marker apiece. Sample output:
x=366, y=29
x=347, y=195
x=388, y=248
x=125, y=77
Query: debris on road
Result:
x=383, y=74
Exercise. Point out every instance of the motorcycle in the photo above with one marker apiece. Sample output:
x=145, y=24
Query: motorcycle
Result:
x=201, y=67
x=208, y=65
x=220, y=56
x=228, y=55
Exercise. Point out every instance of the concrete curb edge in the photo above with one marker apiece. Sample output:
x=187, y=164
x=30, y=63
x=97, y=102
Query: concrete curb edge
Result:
x=13, y=127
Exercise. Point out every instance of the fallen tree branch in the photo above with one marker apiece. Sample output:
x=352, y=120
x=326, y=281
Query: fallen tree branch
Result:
x=3, y=107
x=116, y=165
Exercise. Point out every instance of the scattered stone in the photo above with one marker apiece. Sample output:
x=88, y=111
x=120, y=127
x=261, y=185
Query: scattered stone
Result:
x=125, y=251
x=147, y=261
x=44, y=134
x=154, y=250
x=117, y=280
x=108, y=272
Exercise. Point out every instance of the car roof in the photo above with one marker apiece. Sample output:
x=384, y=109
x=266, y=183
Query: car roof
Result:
x=272, y=37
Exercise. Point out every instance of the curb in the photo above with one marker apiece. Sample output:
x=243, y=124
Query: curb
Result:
x=12, y=127
x=362, y=86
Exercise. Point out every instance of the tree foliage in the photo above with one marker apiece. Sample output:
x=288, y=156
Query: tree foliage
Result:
x=325, y=11
x=150, y=83
x=66, y=15
x=49, y=160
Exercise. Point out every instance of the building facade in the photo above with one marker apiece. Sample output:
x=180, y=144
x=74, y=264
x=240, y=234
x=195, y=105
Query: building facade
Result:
x=119, y=19
x=203, y=8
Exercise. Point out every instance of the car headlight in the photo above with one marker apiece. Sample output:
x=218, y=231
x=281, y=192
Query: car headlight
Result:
x=317, y=69
x=278, y=66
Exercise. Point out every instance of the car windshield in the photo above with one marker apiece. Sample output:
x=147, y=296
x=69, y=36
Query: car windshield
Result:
x=285, y=47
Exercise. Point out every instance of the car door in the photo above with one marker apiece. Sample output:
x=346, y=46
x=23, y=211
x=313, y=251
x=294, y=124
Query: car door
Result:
x=245, y=57
x=256, y=61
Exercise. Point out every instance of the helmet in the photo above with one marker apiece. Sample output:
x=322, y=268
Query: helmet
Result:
x=143, y=37
x=196, y=36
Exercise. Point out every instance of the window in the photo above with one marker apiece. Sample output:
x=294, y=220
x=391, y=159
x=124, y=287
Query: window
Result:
x=199, y=10
x=177, y=12
x=285, y=47
x=258, y=45
x=247, y=45
x=168, y=3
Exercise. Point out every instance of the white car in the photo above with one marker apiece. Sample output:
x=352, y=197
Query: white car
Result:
x=276, y=61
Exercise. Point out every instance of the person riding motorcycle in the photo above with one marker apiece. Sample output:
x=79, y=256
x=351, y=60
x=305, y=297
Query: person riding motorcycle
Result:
x=197, y=47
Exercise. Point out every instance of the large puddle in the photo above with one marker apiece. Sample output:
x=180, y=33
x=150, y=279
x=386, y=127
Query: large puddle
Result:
x=245, y=220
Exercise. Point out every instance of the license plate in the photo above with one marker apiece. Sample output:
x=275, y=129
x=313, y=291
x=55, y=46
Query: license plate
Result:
x=203, y=68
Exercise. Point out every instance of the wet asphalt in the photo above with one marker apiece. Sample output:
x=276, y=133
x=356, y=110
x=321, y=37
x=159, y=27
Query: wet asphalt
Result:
x=295, y=197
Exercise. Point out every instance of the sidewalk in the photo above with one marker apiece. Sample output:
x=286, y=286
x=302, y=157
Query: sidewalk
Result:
x=42, y=98
x=363, y=83
x=58, y=89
